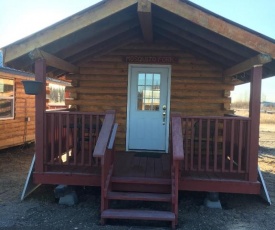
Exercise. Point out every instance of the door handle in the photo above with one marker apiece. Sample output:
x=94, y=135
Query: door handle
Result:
x=163, y=117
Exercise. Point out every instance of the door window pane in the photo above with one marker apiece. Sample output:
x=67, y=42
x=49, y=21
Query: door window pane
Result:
x=141, y=79
x=156, y=80
x=148, y=91
x=149, y=79
x=6, y=98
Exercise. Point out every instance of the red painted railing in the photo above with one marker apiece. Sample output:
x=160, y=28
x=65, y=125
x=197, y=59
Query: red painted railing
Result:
x=216, y=144
x=104, y=150
x=70, y=138
x=177, y=157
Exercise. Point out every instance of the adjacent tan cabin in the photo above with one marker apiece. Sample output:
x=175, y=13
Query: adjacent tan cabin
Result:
x=17, y=109
x=150, y=102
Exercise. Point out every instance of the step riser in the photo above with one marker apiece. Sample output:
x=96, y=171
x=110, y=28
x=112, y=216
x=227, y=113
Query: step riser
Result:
x=130, y=196
x=141, y=188
x=138, y=215
x=136, y=218
x=137, y=180
x=141, y=199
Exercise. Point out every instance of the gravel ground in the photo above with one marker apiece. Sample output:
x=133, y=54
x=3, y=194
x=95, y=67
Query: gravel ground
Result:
x=41, y=211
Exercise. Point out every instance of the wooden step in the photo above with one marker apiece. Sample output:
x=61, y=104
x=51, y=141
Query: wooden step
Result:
x=141, y=180
x=138, y=214
x=139, y=196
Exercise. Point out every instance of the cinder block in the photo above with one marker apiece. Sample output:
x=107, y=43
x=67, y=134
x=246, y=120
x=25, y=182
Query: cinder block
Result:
x=61, y=190
x=69, y=199
x=212, y=200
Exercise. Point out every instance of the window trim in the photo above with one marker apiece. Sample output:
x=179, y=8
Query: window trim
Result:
x=10, y=98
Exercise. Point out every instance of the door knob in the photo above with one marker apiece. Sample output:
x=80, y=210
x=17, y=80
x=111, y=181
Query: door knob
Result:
x=164, y=107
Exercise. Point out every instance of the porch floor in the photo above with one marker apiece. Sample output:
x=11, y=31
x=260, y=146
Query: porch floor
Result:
x=147, y=165
x=142, y=164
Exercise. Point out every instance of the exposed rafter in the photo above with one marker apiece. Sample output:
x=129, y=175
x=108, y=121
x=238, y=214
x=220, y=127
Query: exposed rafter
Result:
x=197, y=41
x=145, y=19
x=109, y=45
x=192, y=48
x=217, y=25
x=97, y=29
x=203, y=33
x=260, y=59
x=53, y=61
x=99, y=38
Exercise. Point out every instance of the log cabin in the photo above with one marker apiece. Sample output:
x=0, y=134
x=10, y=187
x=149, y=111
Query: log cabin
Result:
x=17, y=112
x=17, y=109
x=151, y=82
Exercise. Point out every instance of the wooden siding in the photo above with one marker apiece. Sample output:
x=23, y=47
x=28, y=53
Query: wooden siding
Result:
x=17, y=131
x=197, y=87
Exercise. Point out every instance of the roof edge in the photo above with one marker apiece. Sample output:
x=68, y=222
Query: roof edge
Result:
x=189, y=2
x=64, y=27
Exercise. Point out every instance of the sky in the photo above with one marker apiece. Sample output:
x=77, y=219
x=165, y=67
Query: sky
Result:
x=20, y=18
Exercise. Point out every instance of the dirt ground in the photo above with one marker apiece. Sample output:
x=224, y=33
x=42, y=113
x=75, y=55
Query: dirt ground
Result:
x=41, y=211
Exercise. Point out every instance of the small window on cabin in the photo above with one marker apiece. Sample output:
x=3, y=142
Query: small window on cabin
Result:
x=6, y=98
x=56, y=95
x=148, y=97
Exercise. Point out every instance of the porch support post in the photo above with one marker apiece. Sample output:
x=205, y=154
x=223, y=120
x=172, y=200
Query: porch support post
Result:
x=40, y=104
x=254, y=114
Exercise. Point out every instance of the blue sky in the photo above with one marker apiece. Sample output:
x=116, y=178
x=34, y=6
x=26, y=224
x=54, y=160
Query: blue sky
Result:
x=20, y=18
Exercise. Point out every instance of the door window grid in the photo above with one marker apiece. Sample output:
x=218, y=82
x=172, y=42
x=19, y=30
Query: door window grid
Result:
x=148, y=91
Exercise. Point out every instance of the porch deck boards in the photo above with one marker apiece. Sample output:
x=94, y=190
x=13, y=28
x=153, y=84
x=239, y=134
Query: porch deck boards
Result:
x=212, y=176
x=135, y=164
x=95, y=170
x=143, y=164
x=143, y=167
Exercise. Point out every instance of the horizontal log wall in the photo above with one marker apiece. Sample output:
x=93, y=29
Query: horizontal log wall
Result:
x=197, y=87
x=17, y=131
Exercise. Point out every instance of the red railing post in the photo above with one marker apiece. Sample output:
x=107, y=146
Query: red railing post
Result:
x=40, y=104
x=177, y=157
x=104, y=150
x=254, y=114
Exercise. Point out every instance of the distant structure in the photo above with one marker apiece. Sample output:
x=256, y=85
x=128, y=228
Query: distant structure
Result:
x=267, y=104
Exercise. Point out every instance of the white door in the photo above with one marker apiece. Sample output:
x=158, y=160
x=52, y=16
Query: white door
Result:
x=148, y=108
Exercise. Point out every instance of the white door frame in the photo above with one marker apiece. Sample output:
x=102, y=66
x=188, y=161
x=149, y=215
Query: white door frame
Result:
x=130, y=66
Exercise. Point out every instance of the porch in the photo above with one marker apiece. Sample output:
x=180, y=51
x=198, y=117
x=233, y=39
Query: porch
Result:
x=79, y=145
x=206, y=154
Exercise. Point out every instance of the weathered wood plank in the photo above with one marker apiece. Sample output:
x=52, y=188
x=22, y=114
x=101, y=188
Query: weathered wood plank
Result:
x=96, y=77
x=260, y=59
x=202, y=87
x=122, y=72
x=145, y=19
x=109, y=84
x=88, y=90
x=53, y=61
x=217, y=25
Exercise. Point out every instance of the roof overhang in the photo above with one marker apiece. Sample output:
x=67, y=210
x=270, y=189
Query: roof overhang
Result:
x=111, y=24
